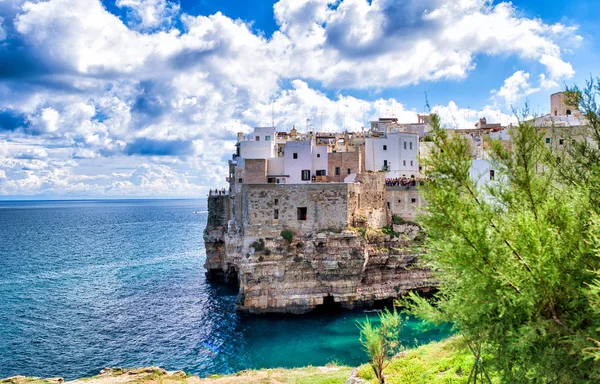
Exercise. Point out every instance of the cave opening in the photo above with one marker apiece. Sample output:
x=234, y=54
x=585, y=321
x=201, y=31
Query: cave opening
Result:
x=329, y=305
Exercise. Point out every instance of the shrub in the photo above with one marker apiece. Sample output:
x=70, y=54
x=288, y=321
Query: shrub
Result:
x=381, y=343
x=398, y=220
x=258, y=245
x=288, y=235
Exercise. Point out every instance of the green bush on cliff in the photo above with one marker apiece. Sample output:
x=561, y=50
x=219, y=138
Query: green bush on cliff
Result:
x=258, y=245
x=287, y=234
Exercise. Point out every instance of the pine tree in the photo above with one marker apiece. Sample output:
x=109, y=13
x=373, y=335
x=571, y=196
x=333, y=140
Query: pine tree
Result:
x=514, y=258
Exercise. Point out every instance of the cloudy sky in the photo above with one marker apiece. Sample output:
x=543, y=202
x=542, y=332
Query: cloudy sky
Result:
x=143, y=98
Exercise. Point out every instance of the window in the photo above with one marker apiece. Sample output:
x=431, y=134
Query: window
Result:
x=405, y=145
x=338, y=171
x=411, y=163
x=410, y=145
x=301, y=211
x=318, y=155
x=388, y=205
x=404, y=163
x=413, y=200
x=561, y=141
x=305, y=174
x=257, y=138
x=240, y=181
x=271, y=180
x=267, y=138
x=385, y=165
x=492, y=174
x=568, y=112
x=276, y=201
x=385, y=147
x=547, y=140
x=321, y=172
x=276, y=214
x=349, y=171
x=399, y=201
x=295, y=155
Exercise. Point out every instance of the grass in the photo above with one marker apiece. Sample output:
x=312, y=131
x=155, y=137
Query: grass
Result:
x=307, y=375
x=447, y=362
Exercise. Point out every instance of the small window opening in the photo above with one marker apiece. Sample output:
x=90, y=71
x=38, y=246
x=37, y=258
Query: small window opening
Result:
x=547, y=140
x=561, y=141
x=410, y=145
x=399, y=201
x=276, y=201
x=385, y=147
x=568, y=112
x=240, y=181
x=349, y=171
x=276, y=214
x=267, y=138
x=338, y=171
x=318, y=155
x=302, y=212
x=492, y=174
x=388, y=205
x=295, y=155
x=405, y=145
x=305, y=174
x=413, y=200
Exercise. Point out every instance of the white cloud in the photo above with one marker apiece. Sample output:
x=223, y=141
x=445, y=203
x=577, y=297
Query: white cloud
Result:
x=150, y=14
x=2, y=31
x=515, y=88
x=175, y=98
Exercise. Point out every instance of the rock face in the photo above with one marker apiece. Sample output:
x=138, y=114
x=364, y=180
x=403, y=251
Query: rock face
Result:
x=345, y=268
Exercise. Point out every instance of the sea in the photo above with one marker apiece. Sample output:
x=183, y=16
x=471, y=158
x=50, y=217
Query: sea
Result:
x=120, y=283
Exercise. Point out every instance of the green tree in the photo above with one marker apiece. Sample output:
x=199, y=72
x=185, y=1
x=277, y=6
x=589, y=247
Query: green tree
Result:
x=381, y=343
x=513, y=258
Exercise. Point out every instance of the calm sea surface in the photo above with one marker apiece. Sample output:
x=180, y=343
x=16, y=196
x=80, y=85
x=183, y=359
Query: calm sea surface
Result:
x=91, y=284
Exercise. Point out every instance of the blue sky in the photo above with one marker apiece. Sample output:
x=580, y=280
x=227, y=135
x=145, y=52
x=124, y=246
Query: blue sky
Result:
x=143, y=98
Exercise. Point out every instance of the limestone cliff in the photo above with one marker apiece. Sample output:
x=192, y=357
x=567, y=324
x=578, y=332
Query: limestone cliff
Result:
x=348, y=268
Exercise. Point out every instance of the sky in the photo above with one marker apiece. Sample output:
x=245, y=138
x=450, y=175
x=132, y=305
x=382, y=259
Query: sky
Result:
x=143, y=98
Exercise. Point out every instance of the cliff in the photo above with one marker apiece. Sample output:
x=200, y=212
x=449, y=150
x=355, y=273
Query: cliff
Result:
x=350, y=268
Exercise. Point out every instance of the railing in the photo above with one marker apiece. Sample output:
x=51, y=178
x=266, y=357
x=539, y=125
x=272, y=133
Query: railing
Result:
x=218, y=192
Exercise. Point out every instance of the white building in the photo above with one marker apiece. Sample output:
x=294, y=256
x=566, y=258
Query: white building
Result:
x=395, y=152
x=259, y=145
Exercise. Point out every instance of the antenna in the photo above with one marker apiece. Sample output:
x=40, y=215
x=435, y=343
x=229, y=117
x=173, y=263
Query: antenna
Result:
x=427, y=107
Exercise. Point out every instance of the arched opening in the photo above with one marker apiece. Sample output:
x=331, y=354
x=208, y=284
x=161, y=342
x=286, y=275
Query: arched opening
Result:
x=555, y=112
x=568, y=112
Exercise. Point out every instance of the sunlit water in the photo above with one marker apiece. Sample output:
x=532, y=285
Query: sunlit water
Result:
x=91, y=284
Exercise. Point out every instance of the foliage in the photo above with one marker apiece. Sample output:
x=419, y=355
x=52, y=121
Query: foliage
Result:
x=389, y=231
x=513, y=258
x=398, y=220
x=381, y=343
x=445, y=362
x=287, y=234
x=258, y=245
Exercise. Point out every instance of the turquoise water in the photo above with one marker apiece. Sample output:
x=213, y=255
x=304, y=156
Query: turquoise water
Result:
x=91, y=284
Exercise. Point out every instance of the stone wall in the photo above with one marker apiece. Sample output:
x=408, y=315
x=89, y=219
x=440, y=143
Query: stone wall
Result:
x=256, y=171
x=367, y=200
x=345, y=161
x=326, y=207
x=403, y=202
